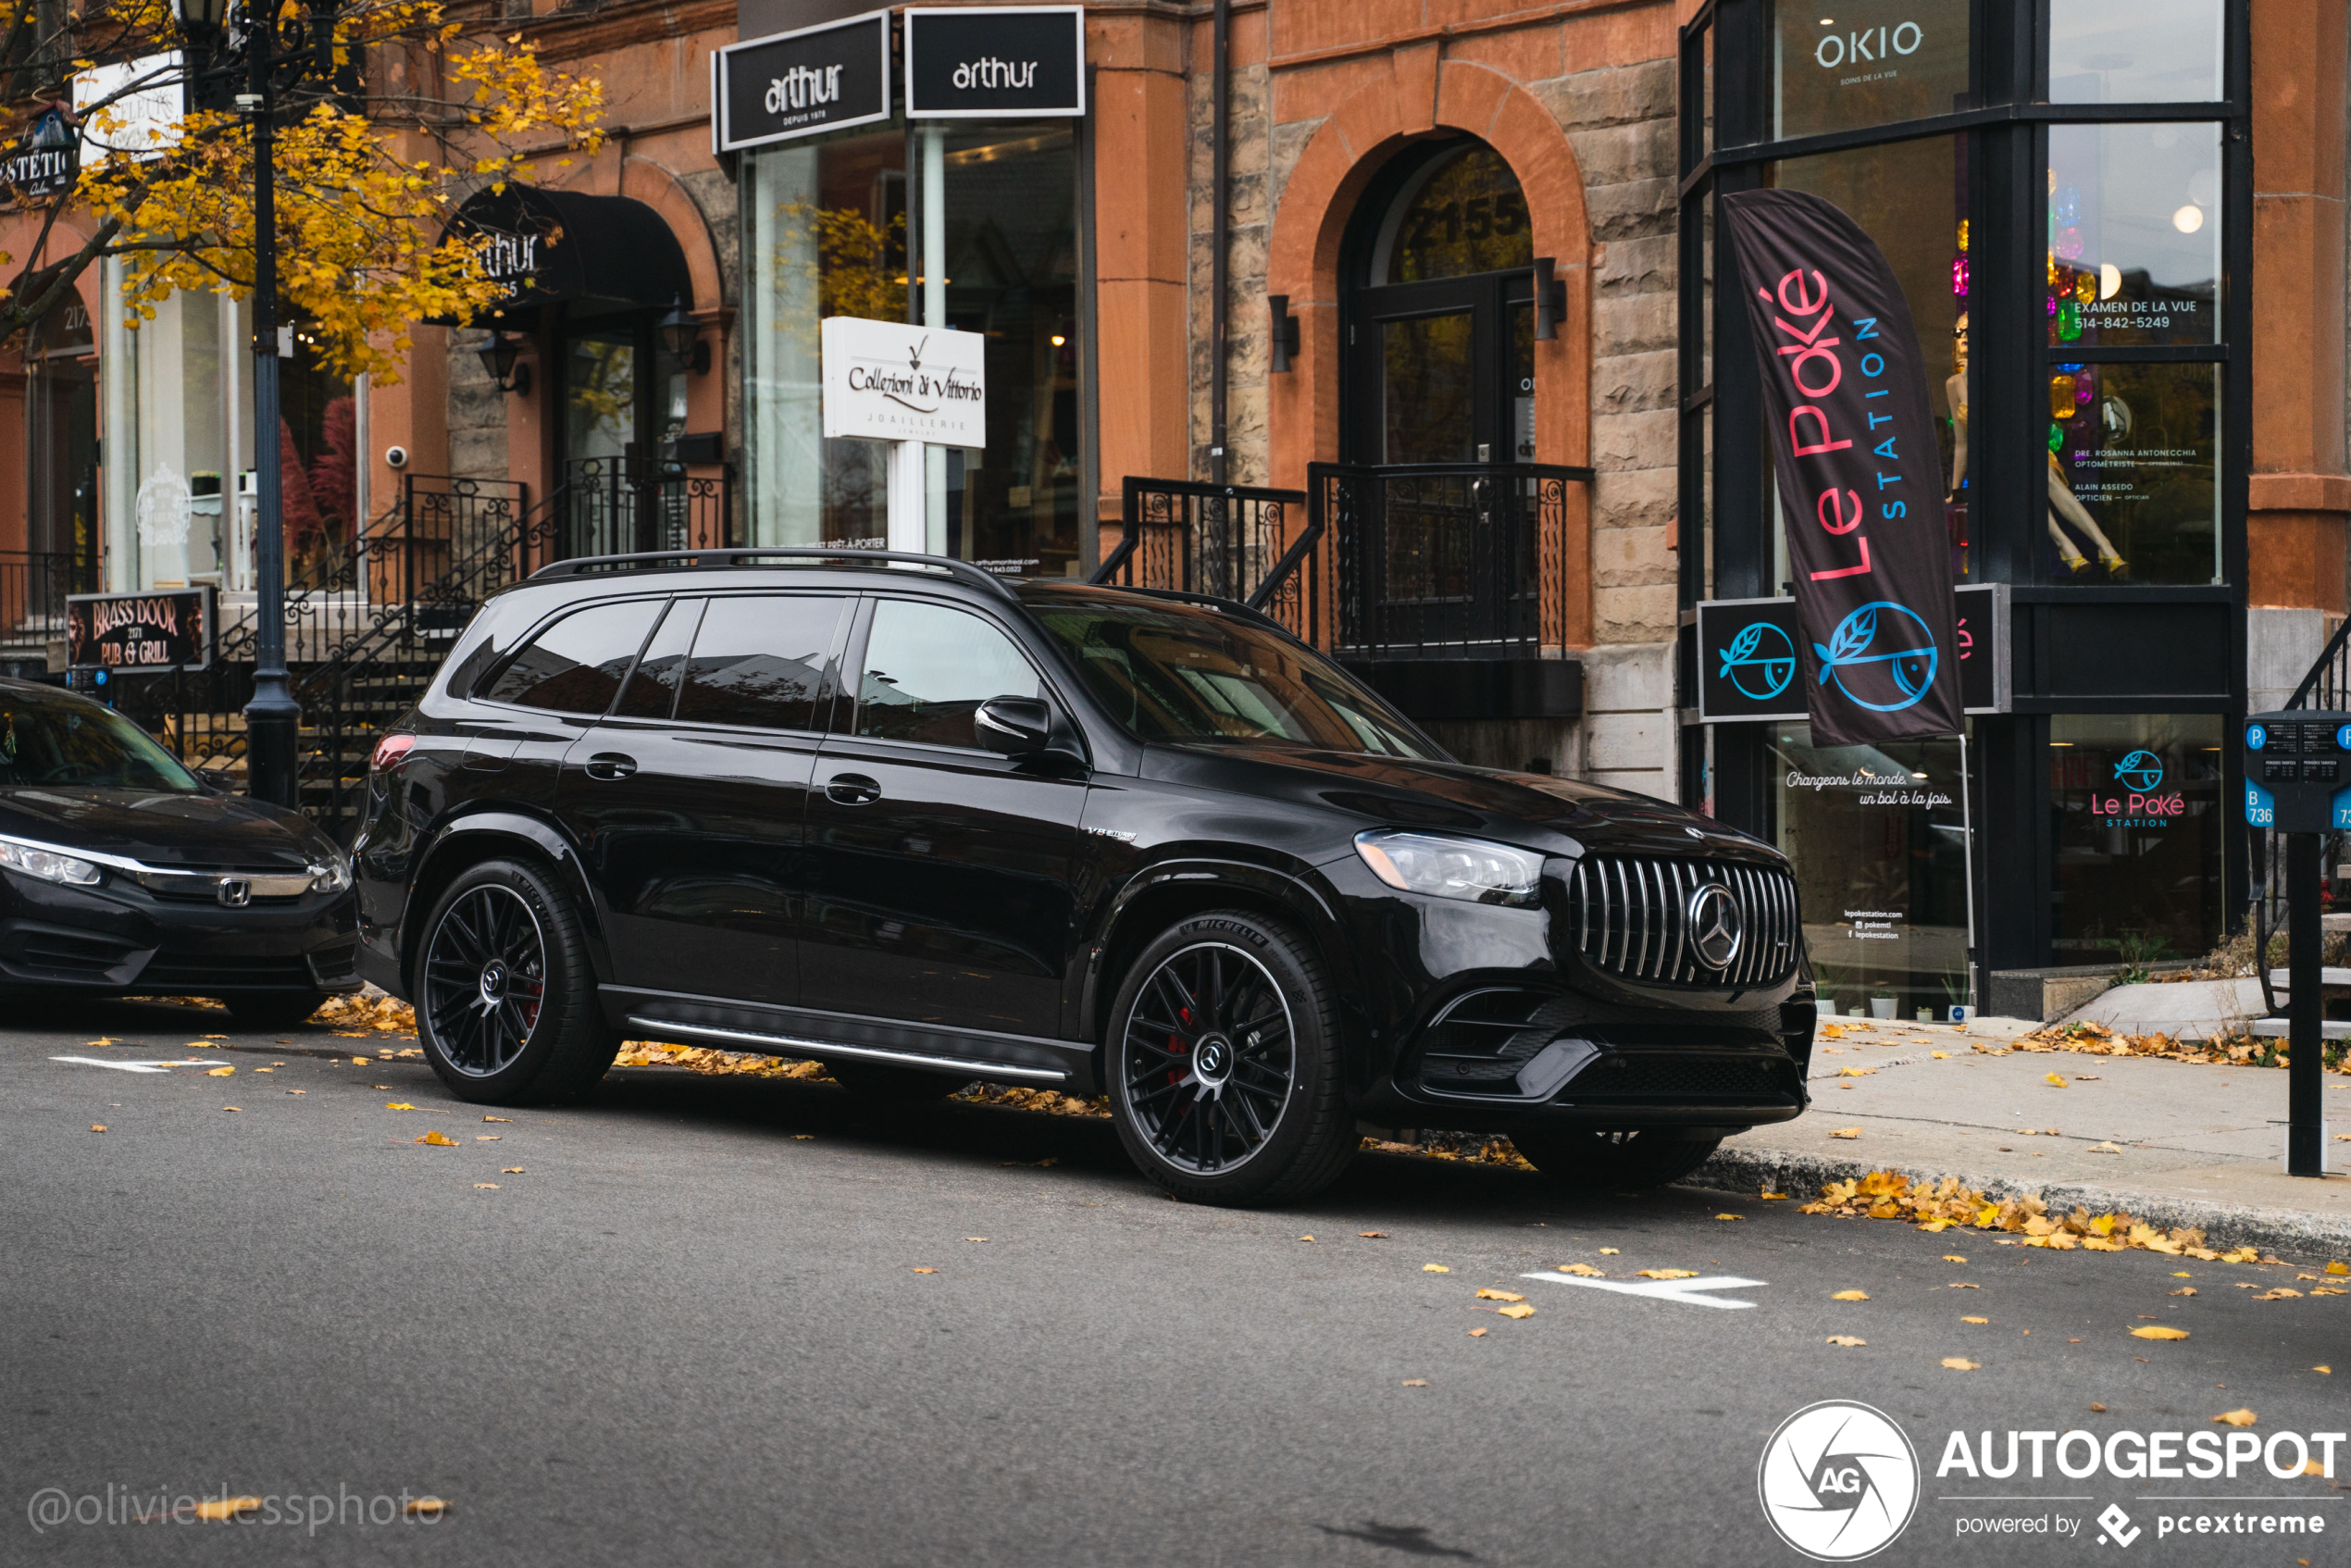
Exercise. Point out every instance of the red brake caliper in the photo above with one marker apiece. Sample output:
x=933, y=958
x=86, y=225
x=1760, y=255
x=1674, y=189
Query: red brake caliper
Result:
x=1176, y=1045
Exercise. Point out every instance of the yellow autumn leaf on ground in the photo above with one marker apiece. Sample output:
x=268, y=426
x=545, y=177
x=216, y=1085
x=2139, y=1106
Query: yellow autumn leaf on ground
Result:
x=298, y=1091
x=1961, y=1364
x=1500, y=1296
x=1609, y=1251
x=1378, y=1236
x=485, y=1187
x=1975, y=1320
x=427, y=1506
x=1416, y=1382
x=2339, y=1267
x=1667, y=1273
x=1435, y=1268
x=398, y=1106
x=1519, y=1309
x=512, y=1170
x=225, y=1508
x=1942, y=1056
x=98, y=1127
x=497, y=1118
x=1846, y=1339
x=1773, y=1197
x=2157, y=1331
x=926, y=1271
x=486, y=1138
x=1306, y=1238
x=2055, y=1080
x=1477, y=1333
x=2236, y=1418
x=438, y=1142
x=1851, y=1296
x=2280, y=1294
x=218, y=1072
x=1730, y=1216
x=2324, y=1369
x=238, y=1107
x=1953, y=1258
x=1963, y=1285
x=2182, y=1290
x=1586, y=1270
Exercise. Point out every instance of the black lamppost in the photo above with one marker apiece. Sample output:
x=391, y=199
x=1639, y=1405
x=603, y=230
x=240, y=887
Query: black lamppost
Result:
x=272, y=718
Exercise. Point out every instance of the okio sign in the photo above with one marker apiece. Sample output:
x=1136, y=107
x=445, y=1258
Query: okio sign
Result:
x=1869, y=46
x=885, y=380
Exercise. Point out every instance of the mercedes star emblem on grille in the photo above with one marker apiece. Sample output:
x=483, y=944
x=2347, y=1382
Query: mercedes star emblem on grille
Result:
x=1716, y=925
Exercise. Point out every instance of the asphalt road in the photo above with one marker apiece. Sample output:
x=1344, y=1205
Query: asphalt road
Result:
x=693, y=1329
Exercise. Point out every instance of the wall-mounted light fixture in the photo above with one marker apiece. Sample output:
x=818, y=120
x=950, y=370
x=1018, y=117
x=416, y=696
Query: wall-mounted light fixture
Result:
x=1551, y=299
x=1284, y=337
x=682, y=337
x=502, y=356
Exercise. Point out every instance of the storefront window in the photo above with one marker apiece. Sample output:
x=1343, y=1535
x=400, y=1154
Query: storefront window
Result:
x=2146, y=52
x=2134, y=217
x=2137, y=807
x=2132, y=475
x=1911, y=197
x=1848, y=63
x=828, y=231
x=825, y=235
x=1878, y=842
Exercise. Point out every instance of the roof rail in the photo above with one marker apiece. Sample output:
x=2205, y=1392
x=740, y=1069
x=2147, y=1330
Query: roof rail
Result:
x=1230, y=606
x=964, y=570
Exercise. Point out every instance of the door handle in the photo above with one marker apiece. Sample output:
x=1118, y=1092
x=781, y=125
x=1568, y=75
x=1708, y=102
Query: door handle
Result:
x=853, y=790
x=609, y=765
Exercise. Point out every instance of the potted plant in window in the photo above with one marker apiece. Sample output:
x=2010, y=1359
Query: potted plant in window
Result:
x=1882, y=1000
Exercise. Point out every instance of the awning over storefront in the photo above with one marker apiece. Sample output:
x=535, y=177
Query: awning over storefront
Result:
x=566, y=247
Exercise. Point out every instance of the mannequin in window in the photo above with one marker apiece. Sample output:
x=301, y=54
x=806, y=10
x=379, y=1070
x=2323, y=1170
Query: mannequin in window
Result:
x=2062, y=502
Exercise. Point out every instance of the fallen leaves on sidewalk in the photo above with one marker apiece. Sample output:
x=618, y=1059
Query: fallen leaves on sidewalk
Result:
x=1938, y=1206
x=398, y=1106
x=1846, y=1132
x=1851, y=1296
x=485, y=1187
x=218, y=1072
x=2236, y=1418
x=1477, y=1333
x=1667, y=1273
x=1435, y=1268
x=2158, y=1331
x=437, y=1140
x=1961, y=1364
x=512, y=1170
x=225, y=1508
x=1584, y=1270
x=2280, y=1294
x=386, y=1015
x=1485, y=1295
x=2055, y=1080
x=1975, y=1320
x=1847, y=1340
x=2182, y=1290
x=1517, y=1310
x=2096, y=1040
x=497, y=1118
x=427, y=1507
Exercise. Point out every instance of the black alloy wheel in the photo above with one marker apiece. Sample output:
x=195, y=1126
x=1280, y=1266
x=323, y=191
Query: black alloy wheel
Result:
x=505, y=994
x=1223, y=1064
x=485, y=978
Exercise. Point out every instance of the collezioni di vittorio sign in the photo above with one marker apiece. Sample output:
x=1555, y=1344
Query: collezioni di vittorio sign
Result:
x=887, y=381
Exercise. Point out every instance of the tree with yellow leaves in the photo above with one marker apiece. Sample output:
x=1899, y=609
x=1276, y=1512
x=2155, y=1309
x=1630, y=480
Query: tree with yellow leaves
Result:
x=395, y=112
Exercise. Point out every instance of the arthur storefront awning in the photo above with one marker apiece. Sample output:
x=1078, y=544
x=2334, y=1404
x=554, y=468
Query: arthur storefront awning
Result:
x=566, y=247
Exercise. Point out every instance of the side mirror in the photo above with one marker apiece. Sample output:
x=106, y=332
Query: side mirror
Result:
x=1014, y=727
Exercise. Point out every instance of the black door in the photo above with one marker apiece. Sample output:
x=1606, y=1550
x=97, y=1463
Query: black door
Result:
x=688, y=797
x=1442, y=371
x=940, y=873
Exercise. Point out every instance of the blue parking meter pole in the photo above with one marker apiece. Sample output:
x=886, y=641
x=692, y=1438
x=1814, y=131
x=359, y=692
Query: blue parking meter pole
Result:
x=2306, y=1012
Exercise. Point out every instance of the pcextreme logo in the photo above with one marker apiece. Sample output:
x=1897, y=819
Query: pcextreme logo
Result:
x=1838, y=1481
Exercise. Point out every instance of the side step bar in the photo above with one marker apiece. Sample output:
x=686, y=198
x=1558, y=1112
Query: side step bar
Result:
x=799, y=1046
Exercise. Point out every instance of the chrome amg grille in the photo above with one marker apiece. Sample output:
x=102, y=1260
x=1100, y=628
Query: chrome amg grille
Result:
x=1630, y=915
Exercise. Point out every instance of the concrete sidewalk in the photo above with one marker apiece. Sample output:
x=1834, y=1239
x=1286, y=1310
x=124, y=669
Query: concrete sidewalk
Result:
x=2175, y=1143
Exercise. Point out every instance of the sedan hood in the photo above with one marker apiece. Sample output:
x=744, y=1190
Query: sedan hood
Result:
x=162, y=827
x=1534, y=809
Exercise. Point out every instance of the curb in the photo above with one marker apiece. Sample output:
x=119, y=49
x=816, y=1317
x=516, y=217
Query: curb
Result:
x=2224, y=1224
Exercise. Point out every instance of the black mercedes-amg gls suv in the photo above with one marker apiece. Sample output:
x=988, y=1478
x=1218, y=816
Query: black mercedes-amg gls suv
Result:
x=927, y=825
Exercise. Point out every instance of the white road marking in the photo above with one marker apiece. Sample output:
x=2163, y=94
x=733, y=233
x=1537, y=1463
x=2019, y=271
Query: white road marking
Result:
x=1663, y=1290
x=130, y=1067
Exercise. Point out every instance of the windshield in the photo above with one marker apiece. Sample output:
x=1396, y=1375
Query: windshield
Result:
x=51, y=739
x=1172, y=673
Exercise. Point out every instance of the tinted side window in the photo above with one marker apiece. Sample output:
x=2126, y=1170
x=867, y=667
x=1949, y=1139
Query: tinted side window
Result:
x=927, y=669
x=577, y=664
x=759, y=660
x=652, y=690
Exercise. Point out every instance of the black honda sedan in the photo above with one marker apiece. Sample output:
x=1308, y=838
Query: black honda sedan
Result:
x=929, y=826
x=122, y=872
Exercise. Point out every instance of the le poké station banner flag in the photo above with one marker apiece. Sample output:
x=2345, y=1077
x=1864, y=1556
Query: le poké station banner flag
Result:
x=1860, y=476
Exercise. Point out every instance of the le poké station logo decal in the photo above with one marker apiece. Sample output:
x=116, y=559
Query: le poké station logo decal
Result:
x=1839, y=1481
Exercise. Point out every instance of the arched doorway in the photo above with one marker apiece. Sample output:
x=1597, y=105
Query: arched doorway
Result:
x=1438, y=301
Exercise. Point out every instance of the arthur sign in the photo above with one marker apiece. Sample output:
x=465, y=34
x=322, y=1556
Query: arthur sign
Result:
x=801, y=84
x=885, y=380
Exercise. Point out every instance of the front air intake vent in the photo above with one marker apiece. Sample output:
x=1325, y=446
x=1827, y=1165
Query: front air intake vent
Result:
x=1682, y=922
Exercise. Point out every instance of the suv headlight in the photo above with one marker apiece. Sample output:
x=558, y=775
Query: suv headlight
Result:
x=1447, y=867
x=48, y=864
x=331, y=875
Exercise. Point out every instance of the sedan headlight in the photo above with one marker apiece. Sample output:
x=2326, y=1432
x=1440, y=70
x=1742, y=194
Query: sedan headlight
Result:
x=50, y=865
x=331, y=875
x=1447, y=867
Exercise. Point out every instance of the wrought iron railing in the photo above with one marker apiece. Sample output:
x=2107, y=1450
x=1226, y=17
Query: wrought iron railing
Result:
x=1448, y=560
x=33, y=585
x=2326, y=687
x=620, y=505
x=1236, y=542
